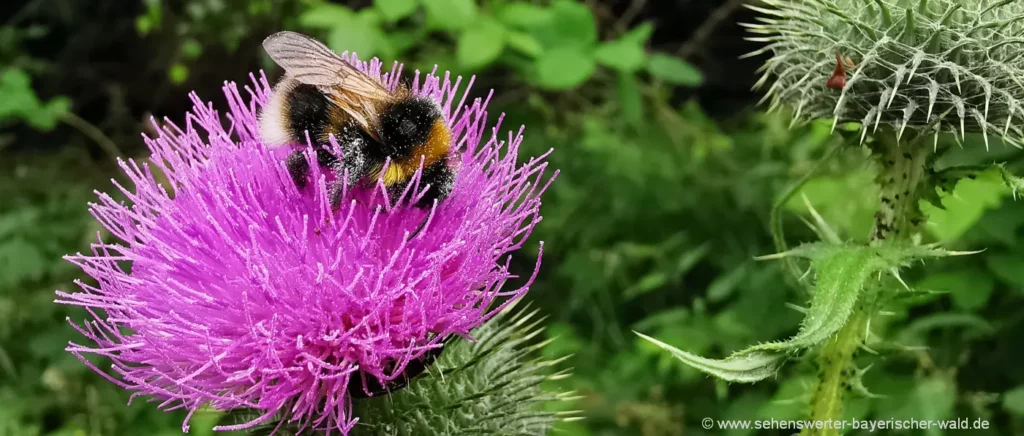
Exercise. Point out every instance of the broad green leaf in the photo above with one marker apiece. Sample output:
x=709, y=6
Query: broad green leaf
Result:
x=789, y=401
x=450, y=15
x=16, y=93
x=523, y=42
x=962, y=208
x=191, y=48
x=21, y=261
x=724, y=285
x=630, y=99
x=1008, y=267
x=480, y=44
x=571, y=25
x=674, y=70
x=354, y=34
x=564, y=68
x=847, y=203
x=522, y=14
x=664, y=318
x=1013, y=400
x=325, y=16
x=639, y=34
x=399, y=41
x=647, y=283
x=203, y=421
x=46, y=117
x=178, y=74
x=621, y=55
x=394, y=10
x=842, y=271
x=740, y=367
x=971, y=324
x=19, y=101
x=143, y=25
x=970, y=289
x=934, y=399
x=842, y=275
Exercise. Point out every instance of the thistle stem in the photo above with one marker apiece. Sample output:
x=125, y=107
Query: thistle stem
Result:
x=903, y=169
x=902, y=172
x=835, y=369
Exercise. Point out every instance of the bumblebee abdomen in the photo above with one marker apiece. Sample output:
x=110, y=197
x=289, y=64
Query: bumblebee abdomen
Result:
x=308, y=110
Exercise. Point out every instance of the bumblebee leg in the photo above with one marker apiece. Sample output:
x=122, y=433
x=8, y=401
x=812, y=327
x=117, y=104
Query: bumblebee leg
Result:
x=418, y=229
x=298, y=168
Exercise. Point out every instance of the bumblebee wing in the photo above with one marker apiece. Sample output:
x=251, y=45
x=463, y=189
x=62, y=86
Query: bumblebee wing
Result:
x=311, y=62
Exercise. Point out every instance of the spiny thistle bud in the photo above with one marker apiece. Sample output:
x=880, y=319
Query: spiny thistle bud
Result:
x=928, y=66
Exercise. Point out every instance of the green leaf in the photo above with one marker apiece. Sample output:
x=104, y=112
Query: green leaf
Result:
x=571, y=25
x=970, y=289
x=524, y=43
x=638, y=35
x=564, y=68
x=934, y=399
x=724, y=285
x=674, y=70
x=847, y=202
x=1008, y=267
x=354, y=34
x=19, y=101
x=521, y=14
x=326, y=16
x=630, y=99
x=143, y=25
x=1013, y=400
x=394, y=10
x=843, y=272
x=191, y=48
x=51, y=112
x=740, y=367
x=450, y=15
x=965, y=206
x=971, y=324
x=647, y=283
x=621, y=55
x=842, y=275
x=177, y=74
x=481, y=44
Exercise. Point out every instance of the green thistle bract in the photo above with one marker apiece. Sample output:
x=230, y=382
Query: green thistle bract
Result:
x=921, y=66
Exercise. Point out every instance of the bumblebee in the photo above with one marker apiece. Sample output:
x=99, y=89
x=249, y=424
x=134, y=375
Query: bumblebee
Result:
x=383, y=134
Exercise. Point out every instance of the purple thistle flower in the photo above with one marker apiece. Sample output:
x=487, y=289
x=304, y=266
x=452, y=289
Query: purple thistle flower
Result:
x=234, y=288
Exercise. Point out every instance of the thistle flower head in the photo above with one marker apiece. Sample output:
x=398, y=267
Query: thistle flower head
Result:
x=918, y=65
x=231, y=287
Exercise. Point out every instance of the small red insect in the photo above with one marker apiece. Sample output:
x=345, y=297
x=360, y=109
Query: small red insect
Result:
x=838, y=78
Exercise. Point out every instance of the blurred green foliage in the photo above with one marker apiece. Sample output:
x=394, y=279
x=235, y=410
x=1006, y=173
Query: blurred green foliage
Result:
x=651, y=227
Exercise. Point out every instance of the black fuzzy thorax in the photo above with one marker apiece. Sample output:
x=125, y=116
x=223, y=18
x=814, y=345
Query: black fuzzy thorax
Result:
x=405, y=125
